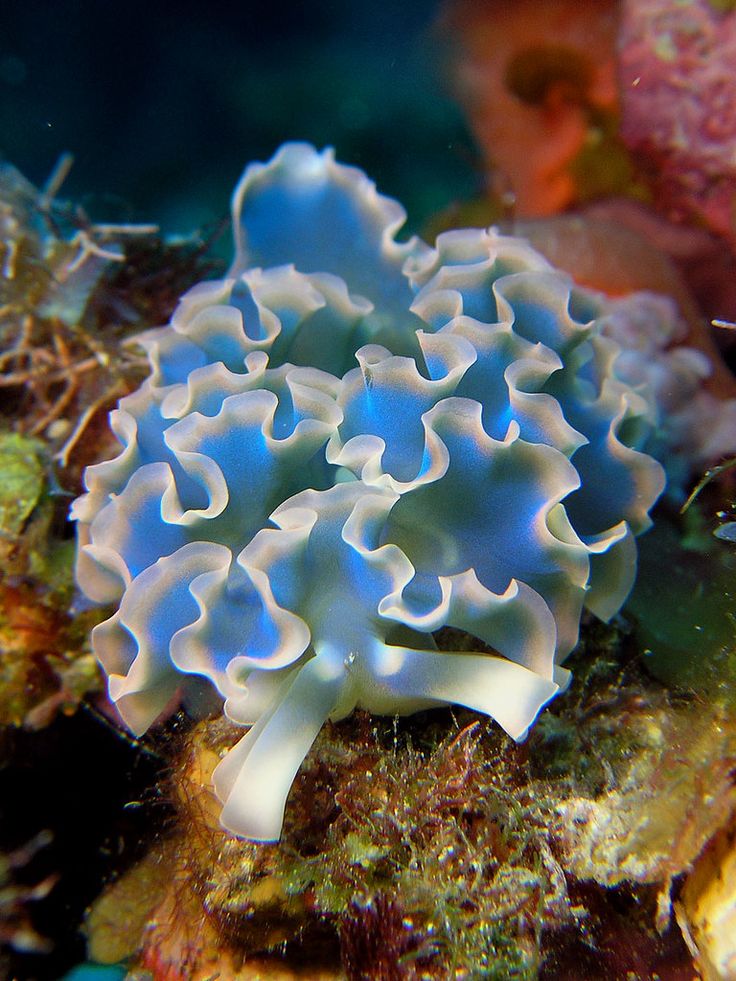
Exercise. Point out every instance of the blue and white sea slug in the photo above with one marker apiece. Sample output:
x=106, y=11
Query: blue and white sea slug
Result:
x=345, y=445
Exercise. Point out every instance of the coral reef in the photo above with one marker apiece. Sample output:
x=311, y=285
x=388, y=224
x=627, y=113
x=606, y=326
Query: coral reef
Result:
x=667, y=345
x=53, y=259
x=408, y=852
x=65, y=312
x=543, y=86
x=23, y=511
x=539, y=84
x=616, y=248
x=71, y=291
x=704, y=280
x=428, y=846
x=46, y=663
x=403, y=414
x=696, y=426
x=679, y=105
x=297, y=529
x=622, y=111
x=707, y=909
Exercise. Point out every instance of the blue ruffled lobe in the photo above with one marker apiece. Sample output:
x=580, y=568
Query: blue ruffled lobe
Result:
x=305, y=209
x=324, y=562
x=346, y=444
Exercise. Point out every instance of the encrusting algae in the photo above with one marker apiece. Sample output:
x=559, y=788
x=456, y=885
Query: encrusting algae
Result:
x=410, y=853
x=46, y=663
x=71, y=292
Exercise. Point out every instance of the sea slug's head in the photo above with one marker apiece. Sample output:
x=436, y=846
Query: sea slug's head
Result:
x=343, y=446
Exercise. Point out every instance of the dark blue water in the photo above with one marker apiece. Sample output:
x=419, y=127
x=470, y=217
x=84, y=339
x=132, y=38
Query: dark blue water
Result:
x=162, y=104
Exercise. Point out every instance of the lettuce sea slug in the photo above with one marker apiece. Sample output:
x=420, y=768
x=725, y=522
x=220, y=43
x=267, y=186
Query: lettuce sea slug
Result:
x=345, y=445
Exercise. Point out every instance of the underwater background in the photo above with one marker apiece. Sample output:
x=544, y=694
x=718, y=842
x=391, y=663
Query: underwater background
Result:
x=430, y=845
x=162, y=104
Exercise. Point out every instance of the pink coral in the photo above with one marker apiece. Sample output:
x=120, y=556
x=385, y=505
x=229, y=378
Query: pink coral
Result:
x=678, y=91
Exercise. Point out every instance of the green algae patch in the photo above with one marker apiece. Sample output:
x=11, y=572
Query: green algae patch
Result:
x=684, y=607
x=22, y=484
x=45, y=662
